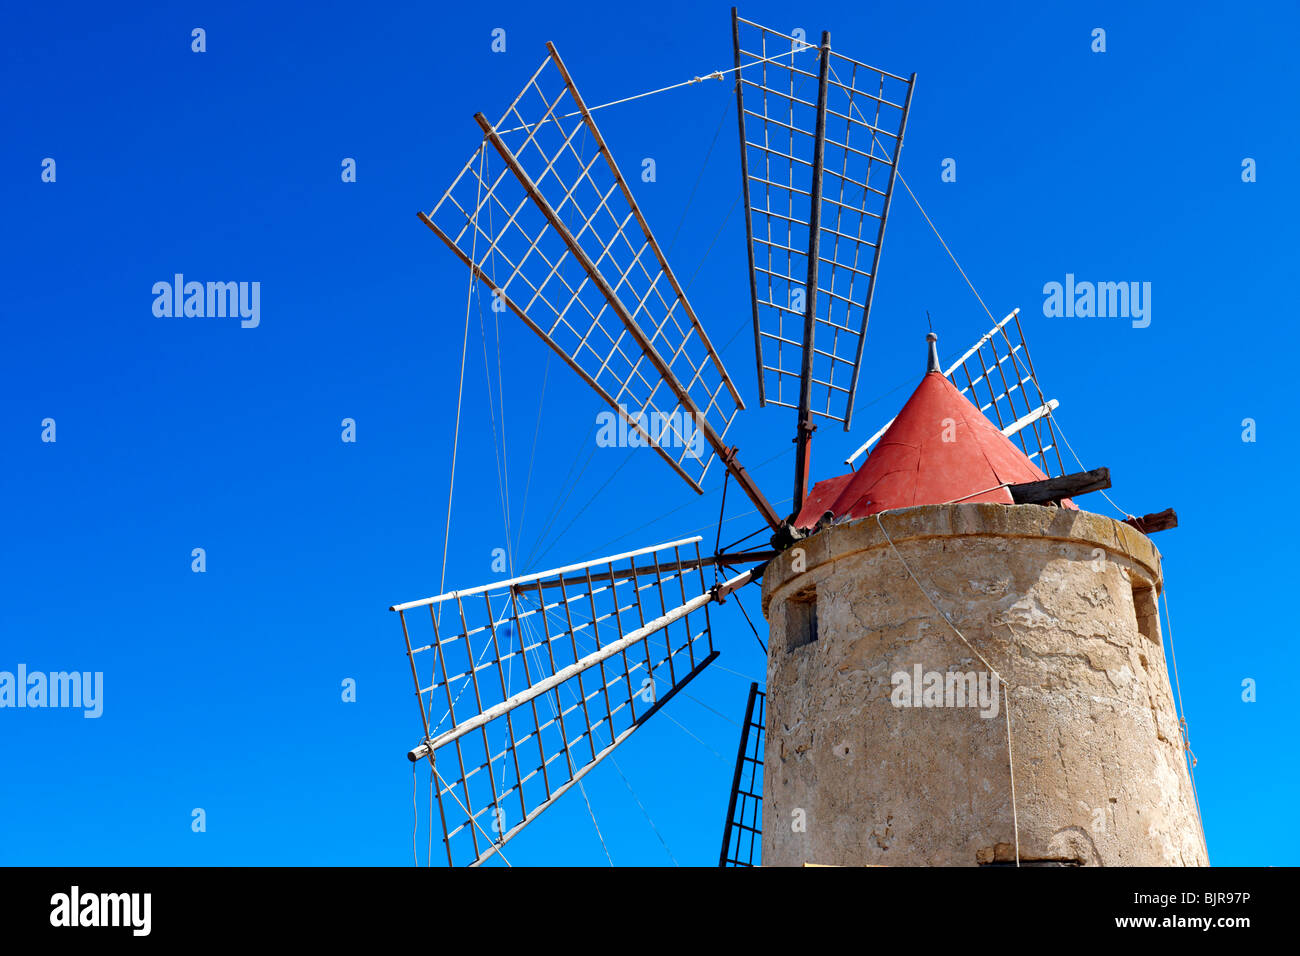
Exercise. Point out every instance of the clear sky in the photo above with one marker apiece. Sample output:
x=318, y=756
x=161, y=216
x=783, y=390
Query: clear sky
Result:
x=222, y=690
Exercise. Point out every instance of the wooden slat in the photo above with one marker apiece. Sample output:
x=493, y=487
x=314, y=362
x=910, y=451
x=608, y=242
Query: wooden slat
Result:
x=1158, y=521
x=1066, y=486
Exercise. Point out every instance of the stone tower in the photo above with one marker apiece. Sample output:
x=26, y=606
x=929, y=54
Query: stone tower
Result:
x=954, y=679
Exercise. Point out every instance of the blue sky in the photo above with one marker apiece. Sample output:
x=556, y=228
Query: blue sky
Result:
x=222, y=689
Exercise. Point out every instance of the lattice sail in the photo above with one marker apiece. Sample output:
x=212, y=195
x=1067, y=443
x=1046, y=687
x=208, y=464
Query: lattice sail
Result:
x=997, y=375
x=814, y=123
x=742, y=837
x=538, y=678
x=543, y=216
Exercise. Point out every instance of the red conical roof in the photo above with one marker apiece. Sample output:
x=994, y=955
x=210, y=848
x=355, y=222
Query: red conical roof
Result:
x=913, y=464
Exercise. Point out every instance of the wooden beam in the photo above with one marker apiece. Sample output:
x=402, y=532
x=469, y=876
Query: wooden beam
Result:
x=573, y=670
x=643, y=342
x=1159, y=521
x=645, y=226
x=804, y=426
x=727, y=560
x=1066, y=486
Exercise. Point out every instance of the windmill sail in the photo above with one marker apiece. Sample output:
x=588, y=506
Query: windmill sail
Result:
x=538, y=679
x=820, y=137
x=543, y=216
x=742, y=835
x=997, y=375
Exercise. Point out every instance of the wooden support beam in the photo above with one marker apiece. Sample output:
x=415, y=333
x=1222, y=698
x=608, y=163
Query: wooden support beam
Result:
x=643, y=342
x=804, y=427
x=1066, y=486
x=533, y=691
x=621, y=574
x=1159, y=521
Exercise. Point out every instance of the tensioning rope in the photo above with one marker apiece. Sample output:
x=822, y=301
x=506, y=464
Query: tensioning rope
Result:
x=644, y=811
x=455, y=445
x=587, y=800
x=946, y=248
x=460, y=391
x=715, y=75
x=699, y=177
x=532, y=455
x=472, y=819
x=627, y=783
x=735, y=596
x=717, y=541
x=557, y=711
x=501, y=450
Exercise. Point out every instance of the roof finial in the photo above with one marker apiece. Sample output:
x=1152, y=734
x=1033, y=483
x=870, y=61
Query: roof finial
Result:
x=933, y=365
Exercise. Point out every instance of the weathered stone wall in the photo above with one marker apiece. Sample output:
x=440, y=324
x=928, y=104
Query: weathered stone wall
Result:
x=1061, y=605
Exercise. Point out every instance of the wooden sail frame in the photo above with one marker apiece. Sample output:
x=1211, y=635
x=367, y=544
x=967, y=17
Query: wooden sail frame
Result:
x=542, y=676
x=818, y=178
x=599, y=290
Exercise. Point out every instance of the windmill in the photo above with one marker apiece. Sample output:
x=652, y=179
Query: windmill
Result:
x=526, y=685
